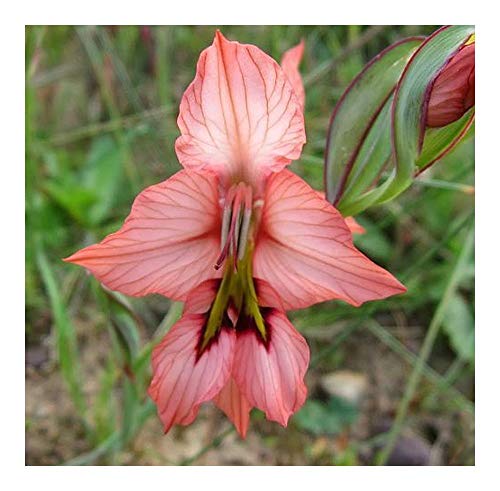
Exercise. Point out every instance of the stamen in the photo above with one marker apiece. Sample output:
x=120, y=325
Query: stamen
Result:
x=226, y=217
x=245, y=225
x=236, y=220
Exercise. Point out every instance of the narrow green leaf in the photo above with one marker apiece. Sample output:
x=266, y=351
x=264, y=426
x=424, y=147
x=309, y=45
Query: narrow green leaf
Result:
x=357, y=111
x=67, y=351
x=439, y=142
x=373, y=158
x=458, y=323
x=123, y=326
x=143, y=359
x=105, y=407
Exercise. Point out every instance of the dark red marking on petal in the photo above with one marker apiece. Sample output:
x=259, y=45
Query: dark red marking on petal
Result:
x=200, y=349
x=246, y=322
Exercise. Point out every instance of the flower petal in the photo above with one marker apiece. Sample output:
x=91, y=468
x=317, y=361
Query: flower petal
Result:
x=290, y=64
x=354, y=226
x=200, y=299
x=271, y=375
x=168, y=244
x=235, y=406
x=240, y=115
x=453, y=91
x=267, y=295
x=351, y=222
x=181, y=382
x=305, y=250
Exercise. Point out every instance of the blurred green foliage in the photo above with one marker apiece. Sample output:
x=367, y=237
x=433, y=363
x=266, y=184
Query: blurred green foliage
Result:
x=101, y=105
x=328, y=418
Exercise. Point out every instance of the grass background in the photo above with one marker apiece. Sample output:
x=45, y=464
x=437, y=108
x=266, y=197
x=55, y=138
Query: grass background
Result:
x=101, y=105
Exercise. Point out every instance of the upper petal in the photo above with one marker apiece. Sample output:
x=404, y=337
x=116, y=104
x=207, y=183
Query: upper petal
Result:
x=290, y=64
x=271, y=375
x=168, y=244
x=240, y=115
x=235, y=406
x=181, y=382
x=305, y=250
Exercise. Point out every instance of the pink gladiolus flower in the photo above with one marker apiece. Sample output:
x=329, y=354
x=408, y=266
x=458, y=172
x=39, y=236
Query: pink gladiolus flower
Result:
x=241, y=240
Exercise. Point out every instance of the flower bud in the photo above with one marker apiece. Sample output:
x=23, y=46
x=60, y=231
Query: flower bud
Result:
x=452, y=92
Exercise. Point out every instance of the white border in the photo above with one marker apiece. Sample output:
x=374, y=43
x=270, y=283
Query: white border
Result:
x=16, y=14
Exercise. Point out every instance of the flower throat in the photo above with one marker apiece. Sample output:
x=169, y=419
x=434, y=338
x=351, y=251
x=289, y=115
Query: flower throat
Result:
x=236, y=302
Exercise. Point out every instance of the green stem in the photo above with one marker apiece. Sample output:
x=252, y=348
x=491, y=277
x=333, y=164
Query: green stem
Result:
x=425, y=351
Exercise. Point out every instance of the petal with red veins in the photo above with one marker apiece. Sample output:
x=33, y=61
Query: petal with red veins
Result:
x=354, y=226
x=235, y=406
x=240, y=115
x=168, y=244
x=181, y=381
x=201, y=298
x=351, y=222
x=290, y=62
x=305, y=252
x=271, y=375
x=267, y=295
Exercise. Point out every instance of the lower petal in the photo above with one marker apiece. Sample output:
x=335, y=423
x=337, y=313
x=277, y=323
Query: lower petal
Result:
x=270, y=375
x=182, y=380
x=235, y=406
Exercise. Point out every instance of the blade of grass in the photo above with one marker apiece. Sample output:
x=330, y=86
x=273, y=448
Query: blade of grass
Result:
x=67, y=350
x=101, y=450
x=432, y=376
x=96, y=61
x=134, y=414
x=452, y=374
x=426, y=349
x=452, y=232
x=121, y=72
x=109, y=126
x=104, y=407
x=163, y=64
x=450, y=186
x=322, y=69
x=172, y=316
x=217, y=441
x=114, y=441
